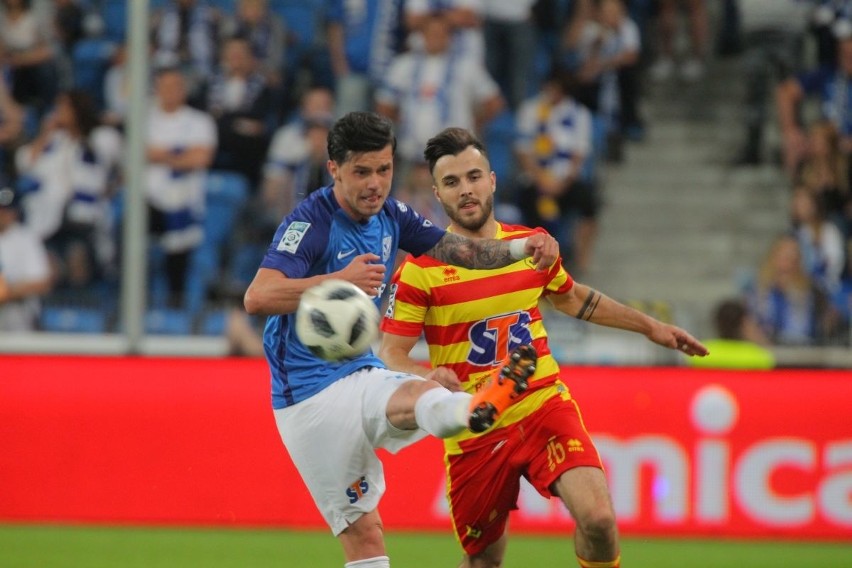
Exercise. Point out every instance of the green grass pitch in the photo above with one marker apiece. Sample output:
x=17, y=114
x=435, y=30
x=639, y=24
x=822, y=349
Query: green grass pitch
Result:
x=53, y=546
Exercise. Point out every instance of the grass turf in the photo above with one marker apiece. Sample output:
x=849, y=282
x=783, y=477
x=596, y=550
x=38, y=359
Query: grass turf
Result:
x=96, y=547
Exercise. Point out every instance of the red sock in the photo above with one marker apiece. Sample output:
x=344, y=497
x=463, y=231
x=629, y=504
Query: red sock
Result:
x=609, y=564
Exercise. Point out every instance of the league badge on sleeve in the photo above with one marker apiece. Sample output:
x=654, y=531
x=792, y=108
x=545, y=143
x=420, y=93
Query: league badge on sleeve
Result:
x=293, y=236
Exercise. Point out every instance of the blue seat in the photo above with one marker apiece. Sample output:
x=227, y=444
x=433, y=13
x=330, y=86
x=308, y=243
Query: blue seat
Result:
x=114, y=14
x=168, y=321
x=91, y=58
x=227, y=192
x=73, y=320
x=213, y=323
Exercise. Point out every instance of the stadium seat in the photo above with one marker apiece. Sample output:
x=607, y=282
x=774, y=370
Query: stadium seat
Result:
x=91, y=58
x=73, y=320
x=167, y=321
x=226, y=194
x=114, y=14
x=213, y=322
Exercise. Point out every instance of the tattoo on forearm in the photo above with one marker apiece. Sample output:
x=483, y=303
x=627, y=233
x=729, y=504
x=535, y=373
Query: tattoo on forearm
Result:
x=589, y=306
x=472, y=253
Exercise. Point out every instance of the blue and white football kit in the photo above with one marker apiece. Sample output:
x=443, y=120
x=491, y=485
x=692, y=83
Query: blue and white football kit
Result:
x=331, y=426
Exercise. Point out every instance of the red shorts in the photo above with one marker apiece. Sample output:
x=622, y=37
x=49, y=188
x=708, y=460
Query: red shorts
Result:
x=484, y=480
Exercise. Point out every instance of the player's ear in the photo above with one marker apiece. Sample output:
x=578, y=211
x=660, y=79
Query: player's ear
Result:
x=332, y=167
x=493, y=182
x=437, y=195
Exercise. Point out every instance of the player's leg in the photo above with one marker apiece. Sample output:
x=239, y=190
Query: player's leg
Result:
x=483, y=483
x=563, y=462
x=429, y=406
x=328, y=438
x=586, y=495
x=363, y=542
x=491, y=557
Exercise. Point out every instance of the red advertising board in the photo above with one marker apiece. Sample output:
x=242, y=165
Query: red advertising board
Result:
x=188, y=441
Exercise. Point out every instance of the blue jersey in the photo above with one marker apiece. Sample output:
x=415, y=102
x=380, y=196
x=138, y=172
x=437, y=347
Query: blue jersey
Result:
x=319, y=238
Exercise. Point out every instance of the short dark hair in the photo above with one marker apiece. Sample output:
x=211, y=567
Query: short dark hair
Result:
x=730, y=315
x=359, y=132
x=451, y=142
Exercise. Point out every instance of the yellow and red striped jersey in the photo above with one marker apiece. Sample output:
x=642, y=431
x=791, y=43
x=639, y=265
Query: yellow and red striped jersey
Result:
x=471, y=319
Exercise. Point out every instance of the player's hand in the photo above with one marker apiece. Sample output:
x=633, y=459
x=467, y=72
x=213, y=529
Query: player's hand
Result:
x=446, y=377
x=366, y=272
x=674, y=337
x=543, y=249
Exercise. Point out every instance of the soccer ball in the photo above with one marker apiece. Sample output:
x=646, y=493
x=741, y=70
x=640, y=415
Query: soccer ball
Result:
x=336, y=320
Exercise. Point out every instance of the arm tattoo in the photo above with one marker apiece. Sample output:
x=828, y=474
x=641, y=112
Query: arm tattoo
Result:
x=472, y=253
x=589, y=306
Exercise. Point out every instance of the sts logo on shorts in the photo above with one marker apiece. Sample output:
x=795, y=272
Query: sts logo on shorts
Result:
x=491, y=339
x=357, y=490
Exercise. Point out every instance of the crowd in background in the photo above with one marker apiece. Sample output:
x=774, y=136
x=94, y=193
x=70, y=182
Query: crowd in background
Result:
x=244, y=92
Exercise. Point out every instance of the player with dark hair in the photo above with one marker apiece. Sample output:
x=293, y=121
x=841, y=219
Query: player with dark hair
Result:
x=541, y=436
x=332, y=416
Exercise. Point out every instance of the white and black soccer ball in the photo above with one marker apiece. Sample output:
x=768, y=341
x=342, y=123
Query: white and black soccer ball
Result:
x=336, y=320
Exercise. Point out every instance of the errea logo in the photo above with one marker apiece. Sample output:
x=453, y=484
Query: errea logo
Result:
x=575, y=445
x=451, y=275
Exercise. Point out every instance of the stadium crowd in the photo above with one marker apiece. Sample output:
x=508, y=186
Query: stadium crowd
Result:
x=244, y=92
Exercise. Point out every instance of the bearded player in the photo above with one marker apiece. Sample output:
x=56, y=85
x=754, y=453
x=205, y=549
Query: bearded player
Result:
x=471, y=320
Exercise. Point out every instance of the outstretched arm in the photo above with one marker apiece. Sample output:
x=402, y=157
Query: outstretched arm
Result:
x=588, y=304
x=494, y=253
x=396, y=353
x=273, y=293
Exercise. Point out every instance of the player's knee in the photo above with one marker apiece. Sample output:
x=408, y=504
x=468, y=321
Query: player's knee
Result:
x=598, y=526
x=365, y=536
x=484, y=559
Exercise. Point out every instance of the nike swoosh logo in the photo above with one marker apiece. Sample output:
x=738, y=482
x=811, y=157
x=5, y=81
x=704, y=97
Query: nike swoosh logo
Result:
x=341, y=255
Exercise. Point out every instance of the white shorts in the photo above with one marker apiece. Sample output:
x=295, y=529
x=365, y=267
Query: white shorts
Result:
x=332, y=437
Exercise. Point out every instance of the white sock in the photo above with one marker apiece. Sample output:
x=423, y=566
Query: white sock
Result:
x=375, y=562
x=442, y=413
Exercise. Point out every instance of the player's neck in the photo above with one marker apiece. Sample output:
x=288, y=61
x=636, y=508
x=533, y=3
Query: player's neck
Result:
x=487, y=231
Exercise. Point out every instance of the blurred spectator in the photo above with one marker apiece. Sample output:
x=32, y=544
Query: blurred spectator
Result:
x=825, y=172
x=739, y=341
x=790, y=308
x=428, y=90
x=830, y=85
x=296, y=163
x=240, y=100
x=553, y=145
x=463, y=16
x=243, y=336
x=68, y=20
x=116, y=89
x=11, y=131
x=71, y=168
x=68, y=25
x=772, y=34
x=829, y=20
x=607, y=55
x=510, y=47
x=418, y=191
x=27, y=51
x=181, y=145
x=363, y=38
x=25, y=269
x=185, y=34
x=266, y=34
x=822, y=245
x=668, y=15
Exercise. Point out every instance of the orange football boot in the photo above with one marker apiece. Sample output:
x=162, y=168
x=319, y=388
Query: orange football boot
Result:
x=501, y=390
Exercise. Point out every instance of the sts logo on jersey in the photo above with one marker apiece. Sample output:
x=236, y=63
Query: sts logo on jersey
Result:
x=357, y=490
x=492, y=339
